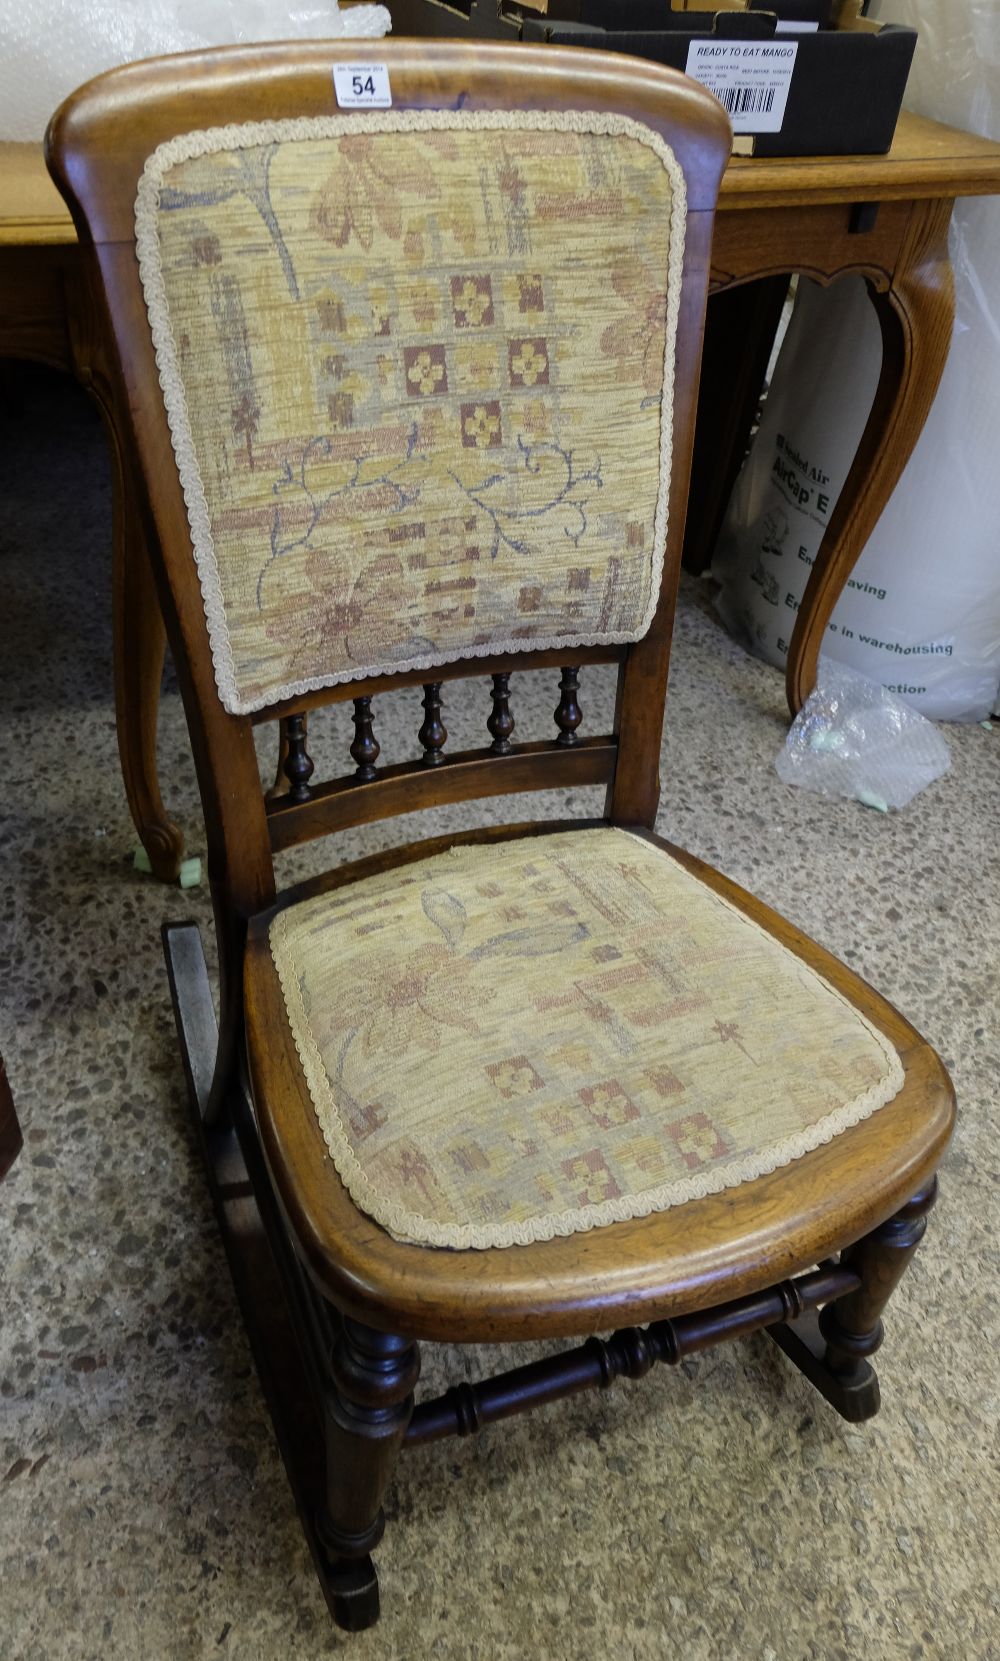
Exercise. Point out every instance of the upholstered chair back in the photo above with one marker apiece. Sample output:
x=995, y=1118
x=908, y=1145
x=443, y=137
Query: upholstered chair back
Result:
x=418, y=373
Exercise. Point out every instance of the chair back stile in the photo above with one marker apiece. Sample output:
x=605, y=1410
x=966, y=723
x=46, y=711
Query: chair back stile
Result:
x=634, y=793
x=239, y=864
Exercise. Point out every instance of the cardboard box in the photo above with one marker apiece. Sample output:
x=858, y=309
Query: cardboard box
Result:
x=798, y=77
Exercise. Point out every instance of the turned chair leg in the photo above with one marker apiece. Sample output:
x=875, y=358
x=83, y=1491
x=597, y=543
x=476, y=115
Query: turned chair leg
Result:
x=833, y=1352
x=367, y=1410
x=852, y=1327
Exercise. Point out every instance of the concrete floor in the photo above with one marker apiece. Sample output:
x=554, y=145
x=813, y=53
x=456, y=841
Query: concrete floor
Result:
x=719, y=1513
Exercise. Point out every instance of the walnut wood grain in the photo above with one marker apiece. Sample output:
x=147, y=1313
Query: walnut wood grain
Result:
x=139, y=644
x=682, y=1260
x=367, y=1412
x=903, y=258
x=32, y=212
x=463, y=777
x=248, y=84
x=916, y=312
x=852, y=1325
x=138, y=634
x=48, y=314
x=631, y=1353
x=35, y=288
x=568, y=715
x=462, y=669
x=927, y=160
x=366, y=748
x=359, y=1300
x=298, y=765
x=433, y=734
x=500, y=722
x=634, y=795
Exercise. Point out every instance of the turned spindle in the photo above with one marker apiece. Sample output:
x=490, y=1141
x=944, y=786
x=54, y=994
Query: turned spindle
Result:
x=501, y=721
x=433, y=734
x=298, y=765
x=365, y=749
x=568, y=715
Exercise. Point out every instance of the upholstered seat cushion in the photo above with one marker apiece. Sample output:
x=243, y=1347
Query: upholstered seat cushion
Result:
x=512, y=1041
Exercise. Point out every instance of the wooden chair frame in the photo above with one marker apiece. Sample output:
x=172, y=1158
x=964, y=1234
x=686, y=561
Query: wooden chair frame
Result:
x=335, y=1307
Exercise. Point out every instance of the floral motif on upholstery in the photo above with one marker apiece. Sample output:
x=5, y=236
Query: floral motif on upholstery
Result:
x=516, y=1077
x=512, y=1041
x=426, y=370
x=482, y=426
x=531, y=294
x=347, y=312
x=528, y=362
x=472, y=302
x=697, y=1140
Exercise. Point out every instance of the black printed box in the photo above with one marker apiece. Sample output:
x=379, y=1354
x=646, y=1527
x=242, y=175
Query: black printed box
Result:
x=798, y=77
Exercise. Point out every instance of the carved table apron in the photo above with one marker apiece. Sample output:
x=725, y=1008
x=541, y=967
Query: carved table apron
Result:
x=885, y=217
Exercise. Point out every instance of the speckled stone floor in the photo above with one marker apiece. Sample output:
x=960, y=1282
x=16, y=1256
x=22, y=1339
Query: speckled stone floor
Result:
x=721, y=1513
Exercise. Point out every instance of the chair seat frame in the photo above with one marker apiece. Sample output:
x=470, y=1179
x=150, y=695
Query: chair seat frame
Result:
x=333, y=1378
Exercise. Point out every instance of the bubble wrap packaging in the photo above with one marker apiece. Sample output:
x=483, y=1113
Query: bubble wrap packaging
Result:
x=48, y=47
x=921, y=613
x=853, y=738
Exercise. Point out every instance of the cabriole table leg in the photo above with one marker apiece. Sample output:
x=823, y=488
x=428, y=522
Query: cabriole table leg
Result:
x=917, y=315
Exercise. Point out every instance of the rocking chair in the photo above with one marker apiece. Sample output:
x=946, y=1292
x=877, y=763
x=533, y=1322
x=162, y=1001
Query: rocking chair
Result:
x=406, y=397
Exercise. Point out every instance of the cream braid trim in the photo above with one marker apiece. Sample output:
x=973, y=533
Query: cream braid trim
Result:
x=212, y=140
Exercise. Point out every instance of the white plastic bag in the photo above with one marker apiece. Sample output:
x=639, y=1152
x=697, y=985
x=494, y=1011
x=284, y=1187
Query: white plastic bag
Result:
x=853, y=738
x=51, y=46
x=821, y=391
x=922, y=611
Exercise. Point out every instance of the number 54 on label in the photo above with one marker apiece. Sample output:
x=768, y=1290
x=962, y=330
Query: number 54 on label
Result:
x=362, y=86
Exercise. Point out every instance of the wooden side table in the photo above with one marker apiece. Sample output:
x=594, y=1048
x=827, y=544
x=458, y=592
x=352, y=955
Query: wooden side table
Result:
x=883, y=217
x=47, y=314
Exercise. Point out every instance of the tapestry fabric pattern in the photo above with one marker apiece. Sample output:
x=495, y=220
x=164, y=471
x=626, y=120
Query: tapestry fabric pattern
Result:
x=418, y=371
x=509, y=1042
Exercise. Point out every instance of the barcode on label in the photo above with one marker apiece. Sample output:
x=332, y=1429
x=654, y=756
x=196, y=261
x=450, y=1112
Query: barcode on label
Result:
x=747, y=100
x=751, y=79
